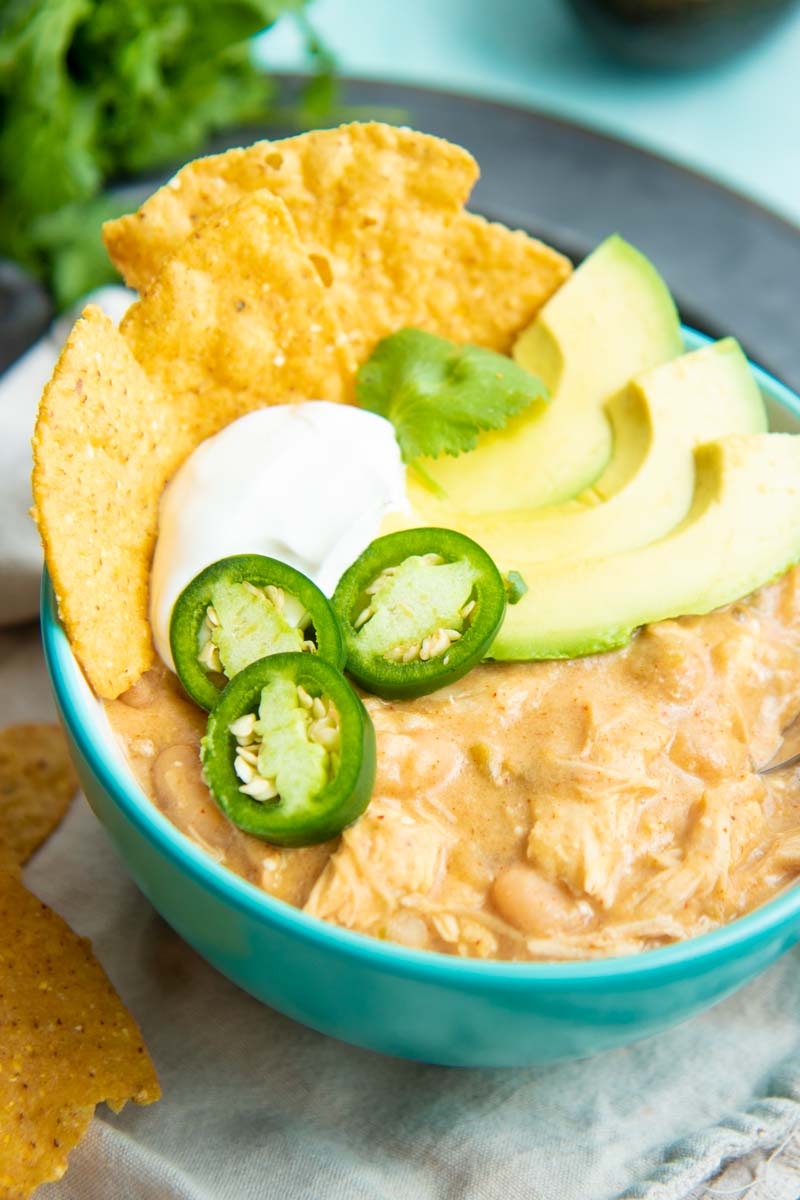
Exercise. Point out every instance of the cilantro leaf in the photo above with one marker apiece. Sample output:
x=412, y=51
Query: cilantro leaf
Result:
x=439, y=395
x=94, y=90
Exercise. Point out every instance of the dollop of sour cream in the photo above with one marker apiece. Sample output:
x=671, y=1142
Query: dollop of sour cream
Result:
x=309, y=484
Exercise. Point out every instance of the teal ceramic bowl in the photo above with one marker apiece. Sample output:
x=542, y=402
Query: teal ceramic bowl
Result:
x=414, y=1004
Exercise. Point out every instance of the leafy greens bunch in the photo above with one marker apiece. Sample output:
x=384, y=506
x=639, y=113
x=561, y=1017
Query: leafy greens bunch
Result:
x=95, y=90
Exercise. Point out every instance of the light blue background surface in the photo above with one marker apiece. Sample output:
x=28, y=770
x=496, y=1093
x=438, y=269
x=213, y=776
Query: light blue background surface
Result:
x=739, y=121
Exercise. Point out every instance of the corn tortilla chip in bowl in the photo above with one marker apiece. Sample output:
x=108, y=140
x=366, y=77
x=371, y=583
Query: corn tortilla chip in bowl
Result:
x=124, y=409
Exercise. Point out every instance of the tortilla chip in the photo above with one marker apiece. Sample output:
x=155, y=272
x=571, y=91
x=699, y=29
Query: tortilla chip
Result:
x=462, y=278
x=105, y=444
x=238, y=319
x=378, y=211
x=485, y=282
x=338, y=184
x=68, y=1043
x=37, y=782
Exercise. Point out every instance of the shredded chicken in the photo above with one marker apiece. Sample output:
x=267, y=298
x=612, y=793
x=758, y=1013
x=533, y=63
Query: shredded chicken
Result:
x=386, y=859
x=558, y=810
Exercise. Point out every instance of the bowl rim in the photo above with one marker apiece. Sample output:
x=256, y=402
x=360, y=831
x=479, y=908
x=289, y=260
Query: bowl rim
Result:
x=77, y=705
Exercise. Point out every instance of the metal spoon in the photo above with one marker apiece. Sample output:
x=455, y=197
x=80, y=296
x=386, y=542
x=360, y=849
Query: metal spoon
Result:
x=788, y=753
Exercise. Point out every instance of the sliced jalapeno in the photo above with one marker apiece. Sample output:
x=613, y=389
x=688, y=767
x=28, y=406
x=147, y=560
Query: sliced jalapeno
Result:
x=241, y=609
x=419, y=609
x=289, y=751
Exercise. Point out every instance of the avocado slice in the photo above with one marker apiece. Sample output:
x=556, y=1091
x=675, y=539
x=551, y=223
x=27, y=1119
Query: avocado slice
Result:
x=742, y=531
x=612, y=319
x=647, y=487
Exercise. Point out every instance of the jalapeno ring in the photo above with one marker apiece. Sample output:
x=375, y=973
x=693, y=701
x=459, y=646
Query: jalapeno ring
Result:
x=241, y=609
x=289, y=752
x=419, y=609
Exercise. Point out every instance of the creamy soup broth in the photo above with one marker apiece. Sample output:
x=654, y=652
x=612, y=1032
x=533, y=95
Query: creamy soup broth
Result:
x=534, y=811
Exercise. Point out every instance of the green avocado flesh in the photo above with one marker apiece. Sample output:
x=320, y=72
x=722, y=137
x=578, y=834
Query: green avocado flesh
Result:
x=611, y=320
x=414, y=601
x=299, y=767
x=647, y=488
x=742, y=530
x=250, y=627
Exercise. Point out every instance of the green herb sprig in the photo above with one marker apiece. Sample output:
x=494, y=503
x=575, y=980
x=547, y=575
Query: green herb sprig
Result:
x=439, y=395
x=93, y=91
x=516, y=587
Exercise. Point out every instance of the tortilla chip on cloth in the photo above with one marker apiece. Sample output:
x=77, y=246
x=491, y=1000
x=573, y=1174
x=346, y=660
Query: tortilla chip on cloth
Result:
x=37, y=782
x=67, y=1041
